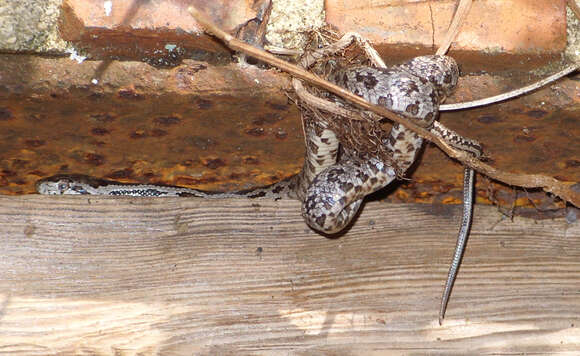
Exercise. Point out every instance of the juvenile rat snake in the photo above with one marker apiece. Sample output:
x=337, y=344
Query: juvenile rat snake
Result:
x=331, y=189
x=332, y=186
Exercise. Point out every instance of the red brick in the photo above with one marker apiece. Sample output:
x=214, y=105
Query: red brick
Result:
x=508, y=26
x=133, y=27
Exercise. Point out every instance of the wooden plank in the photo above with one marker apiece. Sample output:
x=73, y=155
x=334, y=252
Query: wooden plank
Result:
x=186, y=276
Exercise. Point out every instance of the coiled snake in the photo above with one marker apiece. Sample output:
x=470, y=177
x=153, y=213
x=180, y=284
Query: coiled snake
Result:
x=332, y=189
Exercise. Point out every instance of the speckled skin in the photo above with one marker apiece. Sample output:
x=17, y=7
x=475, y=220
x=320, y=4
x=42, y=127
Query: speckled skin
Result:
x=413, y=89
x=76, y=184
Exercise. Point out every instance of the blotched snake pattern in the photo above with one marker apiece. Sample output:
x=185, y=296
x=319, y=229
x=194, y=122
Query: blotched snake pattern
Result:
x=334, y=180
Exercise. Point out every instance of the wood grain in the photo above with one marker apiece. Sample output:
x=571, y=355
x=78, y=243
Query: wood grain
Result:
x=131, y=276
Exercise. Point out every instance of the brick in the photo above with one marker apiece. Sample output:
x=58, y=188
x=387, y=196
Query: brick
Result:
x=506, y=26
x=142, y=28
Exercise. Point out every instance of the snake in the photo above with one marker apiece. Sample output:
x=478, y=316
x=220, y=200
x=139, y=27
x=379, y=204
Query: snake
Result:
x=334, y=180
x=330, y=188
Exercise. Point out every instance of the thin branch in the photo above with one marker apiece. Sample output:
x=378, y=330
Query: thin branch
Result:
x=573, y=5
x=295, y=71
x=512, y=94
x=458, y=19
x=569, y=191
x=320, y=103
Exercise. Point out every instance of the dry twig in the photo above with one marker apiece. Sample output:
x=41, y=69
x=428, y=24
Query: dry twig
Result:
x=460, y=14
x=511, y=94
x=569, y=191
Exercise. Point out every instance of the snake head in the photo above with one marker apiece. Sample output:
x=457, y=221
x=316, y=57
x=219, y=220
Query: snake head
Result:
x=441, y=71
x=59, y=186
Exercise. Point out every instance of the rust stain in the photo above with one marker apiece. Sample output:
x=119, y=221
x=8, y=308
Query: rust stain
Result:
x=137, y=134
x=256, y=131
x=572, y=163
x=239, y=139
x=34, y=143
x=5, y=114
x=100, y=131
x=130, y=93
x=94, y=159
x=489, y=119
x=203, y=104
x=524, y=138
x=191, y=139
x=158, y=133
x=167, y=120
x=102, y=118
x=213, y=163
x=537, y=113
x=126, y=173
x=251, y=160
x=281, y=134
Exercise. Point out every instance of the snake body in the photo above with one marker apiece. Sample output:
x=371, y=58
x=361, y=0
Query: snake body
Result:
x=331, y=189
x=77, y=184
x=413, y=89
x=331, y=186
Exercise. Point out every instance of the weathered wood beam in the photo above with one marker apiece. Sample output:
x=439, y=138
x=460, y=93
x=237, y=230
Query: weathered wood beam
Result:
x=182, y=276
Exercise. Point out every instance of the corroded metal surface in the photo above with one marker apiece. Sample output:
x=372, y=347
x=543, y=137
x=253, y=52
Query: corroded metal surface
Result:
x=536, y=134
x=220, y=130
x=232, y=127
